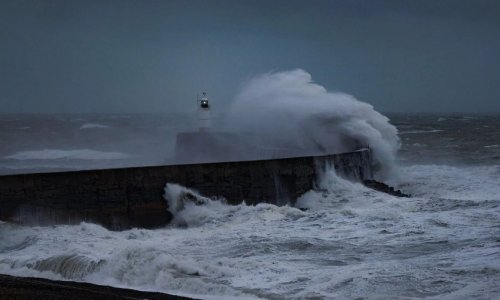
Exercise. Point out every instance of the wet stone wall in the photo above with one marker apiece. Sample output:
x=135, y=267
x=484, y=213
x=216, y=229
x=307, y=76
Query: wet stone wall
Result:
x=133, y=197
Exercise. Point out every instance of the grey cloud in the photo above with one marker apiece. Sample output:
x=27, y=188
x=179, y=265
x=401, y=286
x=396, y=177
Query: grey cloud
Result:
x=150, y=56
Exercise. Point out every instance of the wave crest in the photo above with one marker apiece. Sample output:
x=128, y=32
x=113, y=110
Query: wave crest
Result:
x=289, y=108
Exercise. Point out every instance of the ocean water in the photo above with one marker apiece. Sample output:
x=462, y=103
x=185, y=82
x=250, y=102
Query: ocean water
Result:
x=350, y=243
x=47, y=142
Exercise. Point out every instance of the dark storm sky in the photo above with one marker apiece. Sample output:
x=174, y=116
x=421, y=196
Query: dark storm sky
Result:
x=154, y=56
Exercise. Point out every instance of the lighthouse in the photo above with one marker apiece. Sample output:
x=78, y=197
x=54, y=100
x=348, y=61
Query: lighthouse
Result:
x=204, y=113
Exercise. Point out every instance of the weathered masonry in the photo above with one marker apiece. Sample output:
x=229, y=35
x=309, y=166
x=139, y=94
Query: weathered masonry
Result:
x=133, y=197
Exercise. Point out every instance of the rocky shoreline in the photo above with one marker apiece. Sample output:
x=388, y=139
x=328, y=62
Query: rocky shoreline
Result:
x=28, y=288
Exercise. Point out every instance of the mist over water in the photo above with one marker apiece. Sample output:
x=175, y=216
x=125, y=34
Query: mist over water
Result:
x=288, y=110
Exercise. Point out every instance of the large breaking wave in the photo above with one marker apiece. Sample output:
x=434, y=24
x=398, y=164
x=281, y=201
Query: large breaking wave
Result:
x=289, y=109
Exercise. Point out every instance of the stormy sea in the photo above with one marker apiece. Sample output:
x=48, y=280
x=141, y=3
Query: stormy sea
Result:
x=340, y=241
x=352, y=242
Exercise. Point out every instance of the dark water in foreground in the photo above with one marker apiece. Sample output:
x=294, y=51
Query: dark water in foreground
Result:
x=443, y=243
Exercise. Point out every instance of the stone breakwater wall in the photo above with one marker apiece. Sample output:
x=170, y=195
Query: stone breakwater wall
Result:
x=133, y=197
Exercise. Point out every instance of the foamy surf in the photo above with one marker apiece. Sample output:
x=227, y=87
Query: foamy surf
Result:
x=189, y=208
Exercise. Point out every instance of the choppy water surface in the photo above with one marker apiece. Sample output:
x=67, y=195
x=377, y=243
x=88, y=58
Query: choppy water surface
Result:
x=45, y=143
x=352, y=242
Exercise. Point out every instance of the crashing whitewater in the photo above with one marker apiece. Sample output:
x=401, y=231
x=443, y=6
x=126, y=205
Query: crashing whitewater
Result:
x=289, y=108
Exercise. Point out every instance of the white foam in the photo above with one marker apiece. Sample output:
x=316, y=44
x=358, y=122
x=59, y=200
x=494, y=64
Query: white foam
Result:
x=475, y=183
x=93, y=126
x=192, y=209
x=52, y=154
x=347, y=197
x=289, y=106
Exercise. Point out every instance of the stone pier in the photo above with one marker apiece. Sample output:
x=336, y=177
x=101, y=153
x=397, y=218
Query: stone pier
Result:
x=133, y=197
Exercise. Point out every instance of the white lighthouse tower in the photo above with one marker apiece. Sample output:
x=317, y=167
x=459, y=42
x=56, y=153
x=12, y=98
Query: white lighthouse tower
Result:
x=204, y=113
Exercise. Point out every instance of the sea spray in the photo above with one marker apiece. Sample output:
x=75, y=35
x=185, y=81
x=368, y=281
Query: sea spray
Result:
x=289, y=109
x=190, y=208
x=330, y=190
